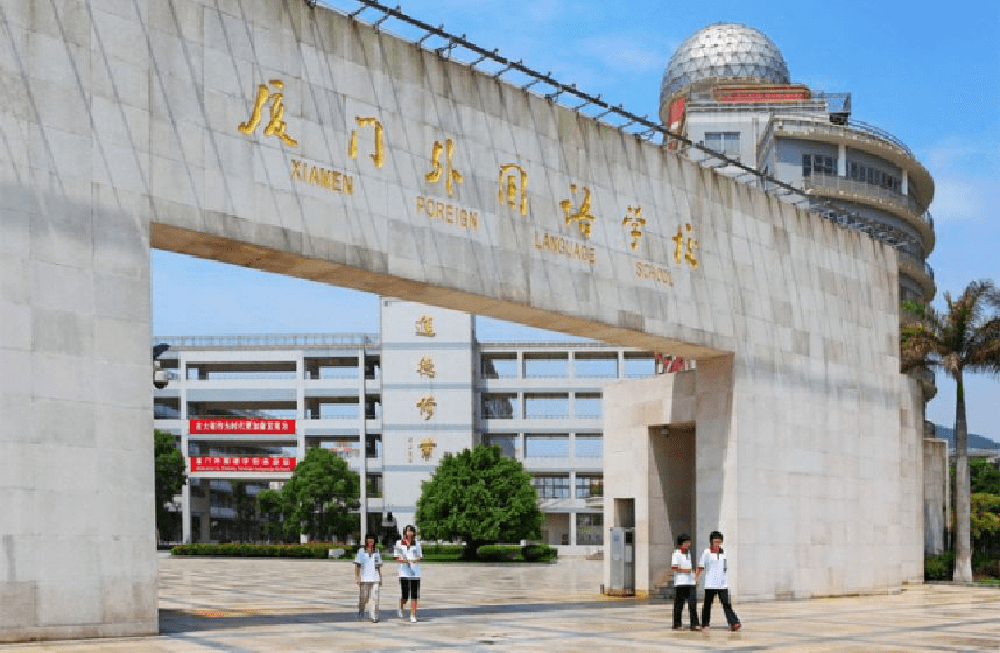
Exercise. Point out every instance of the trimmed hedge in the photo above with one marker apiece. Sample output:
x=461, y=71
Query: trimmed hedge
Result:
x=314, y=550
x=441, y=552
x=539, y=553
x=515, y=553
x=498, y=552
x=320, y=551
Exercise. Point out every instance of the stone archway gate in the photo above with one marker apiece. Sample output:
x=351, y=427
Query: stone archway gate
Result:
x=274, y=135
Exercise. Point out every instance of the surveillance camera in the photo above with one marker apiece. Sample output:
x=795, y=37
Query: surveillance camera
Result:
x=160, y=378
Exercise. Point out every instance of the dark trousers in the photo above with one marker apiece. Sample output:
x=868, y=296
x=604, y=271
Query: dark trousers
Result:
x=685, y=594
x=706, y=610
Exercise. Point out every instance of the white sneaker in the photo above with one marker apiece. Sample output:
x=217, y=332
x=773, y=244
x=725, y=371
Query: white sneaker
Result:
x=399, y=611
x=413, y=618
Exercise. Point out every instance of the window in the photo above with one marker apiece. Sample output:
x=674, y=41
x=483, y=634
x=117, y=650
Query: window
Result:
x=589, y=486
x=343, y=447
x=331, y=368
x=546, y=446
x=589, y=528
x=373, y=446
x=507, y=444
x=588, y=406
x=337, y=409
x=373, y=407
x=375, y=486
x=498, y=406
x=596, y=366
x=589, y=446
x=551, y=487
x=818, y=164
x=546, y=366
x=498, y=366
x=727, y=143
x=639, y=365
x=203, y=449
x=546, y=406
x=875, y=177
x=166, y=408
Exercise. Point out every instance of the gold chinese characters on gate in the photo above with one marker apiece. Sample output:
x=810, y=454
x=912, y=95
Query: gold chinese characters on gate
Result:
x=443, y=174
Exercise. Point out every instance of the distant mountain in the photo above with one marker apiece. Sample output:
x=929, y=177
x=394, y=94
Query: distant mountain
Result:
x=975, y=441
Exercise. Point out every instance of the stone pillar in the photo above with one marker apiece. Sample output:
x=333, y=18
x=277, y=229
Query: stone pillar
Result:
x=186, y=513
x=76, y=404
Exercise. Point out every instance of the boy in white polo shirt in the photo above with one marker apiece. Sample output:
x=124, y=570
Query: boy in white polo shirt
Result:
x=716, y=567
x=684, y=582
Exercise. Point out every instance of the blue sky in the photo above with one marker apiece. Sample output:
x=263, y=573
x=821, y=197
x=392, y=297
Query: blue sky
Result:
x=929, y=74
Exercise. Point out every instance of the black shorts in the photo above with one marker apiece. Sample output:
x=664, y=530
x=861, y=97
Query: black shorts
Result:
x=410, y=588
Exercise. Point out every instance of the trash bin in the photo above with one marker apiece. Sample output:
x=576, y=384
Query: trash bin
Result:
x=622, y=551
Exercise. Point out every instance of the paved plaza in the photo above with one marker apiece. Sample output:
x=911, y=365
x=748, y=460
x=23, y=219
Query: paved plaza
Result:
x=298, y=605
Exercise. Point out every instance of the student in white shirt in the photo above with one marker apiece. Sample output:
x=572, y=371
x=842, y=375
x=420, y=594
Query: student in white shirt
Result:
x=368, y=576
x=715, y=566
x=408, y=554
x=684, y=582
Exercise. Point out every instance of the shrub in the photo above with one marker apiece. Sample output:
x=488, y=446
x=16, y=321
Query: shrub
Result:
x=440, y=552
x=314, y=550
x=985, y=566
x=939, y=567
x=539, y=552
x=498, y=552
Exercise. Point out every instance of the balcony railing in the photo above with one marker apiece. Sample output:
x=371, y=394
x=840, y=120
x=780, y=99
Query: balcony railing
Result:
x=856, y=190
x=820, y=123
x=836, y=183
x=881, y=134
x=269, y=340
x=919, y=264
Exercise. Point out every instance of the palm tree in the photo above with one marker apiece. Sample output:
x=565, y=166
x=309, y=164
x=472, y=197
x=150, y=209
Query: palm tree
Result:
x=964, y=338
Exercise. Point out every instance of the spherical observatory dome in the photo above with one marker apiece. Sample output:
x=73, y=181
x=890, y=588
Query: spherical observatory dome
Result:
x=724, y=50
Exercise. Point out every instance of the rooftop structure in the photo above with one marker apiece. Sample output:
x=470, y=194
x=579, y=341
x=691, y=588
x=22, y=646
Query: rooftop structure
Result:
x=724, y=51
x=727, y=87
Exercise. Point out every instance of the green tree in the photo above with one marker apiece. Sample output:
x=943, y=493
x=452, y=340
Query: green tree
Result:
x=985, y=477
x=965, y=338
x=273, y=509
x=481, y=497
x=244, y=512
x=985, y=520
x=320, y=496
x=170, y=475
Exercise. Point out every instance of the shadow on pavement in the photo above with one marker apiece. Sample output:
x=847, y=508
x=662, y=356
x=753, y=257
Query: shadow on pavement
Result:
x=184, y=621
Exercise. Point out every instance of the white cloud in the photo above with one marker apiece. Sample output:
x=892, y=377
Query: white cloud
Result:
x=964, y=188
x=622, y=52
x=544, y=11
x=964, y=198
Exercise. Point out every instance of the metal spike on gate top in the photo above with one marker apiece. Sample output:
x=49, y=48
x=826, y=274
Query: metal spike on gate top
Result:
x=650, y=129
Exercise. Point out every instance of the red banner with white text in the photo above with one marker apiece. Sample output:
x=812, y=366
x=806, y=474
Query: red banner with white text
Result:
x=242, y=464
x=230, y=425
x=762, y=93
